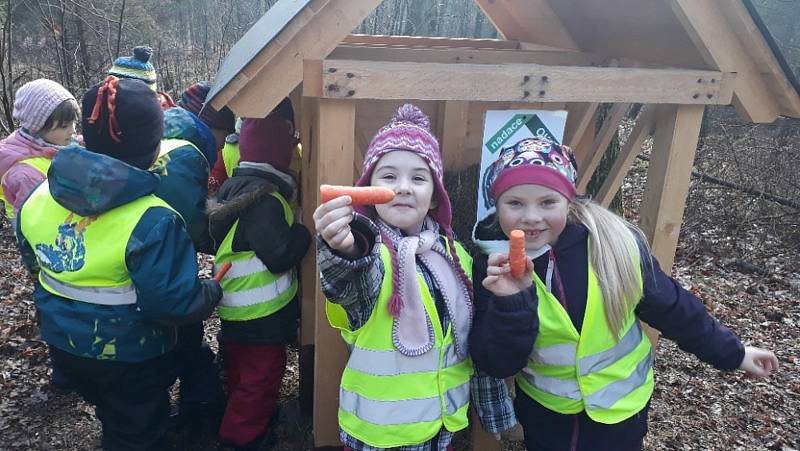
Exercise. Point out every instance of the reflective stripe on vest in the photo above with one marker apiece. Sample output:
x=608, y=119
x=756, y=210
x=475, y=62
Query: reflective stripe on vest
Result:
x=124, y=295
x=393, y=362
x=230, y=156
x=568, y=372
x=389, y=399
x=83, y=258
x=41, y=164
x=406, y=411
x=250, y=290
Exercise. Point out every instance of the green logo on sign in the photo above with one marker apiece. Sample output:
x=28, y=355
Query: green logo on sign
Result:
x=529, y=121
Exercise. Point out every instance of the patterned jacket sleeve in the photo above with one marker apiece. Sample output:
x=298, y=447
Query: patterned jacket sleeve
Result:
x=492, y=402
x=353, y=284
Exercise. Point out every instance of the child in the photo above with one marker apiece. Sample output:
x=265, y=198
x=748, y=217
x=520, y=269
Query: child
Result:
x=116, y=270
x=569, y=328
x=256, y=231
x=400, y=292
x=185, y=157
x=46, y=112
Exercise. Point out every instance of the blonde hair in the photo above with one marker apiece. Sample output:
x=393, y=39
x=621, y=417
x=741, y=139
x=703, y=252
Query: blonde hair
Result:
x=615, y=257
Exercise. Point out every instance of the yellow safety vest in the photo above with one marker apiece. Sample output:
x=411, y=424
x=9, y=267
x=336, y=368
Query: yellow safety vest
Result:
x=568, y=372
x=83, y=258
x=388, y=399
x=249, y=289
x=41, y=164
x=230, y=156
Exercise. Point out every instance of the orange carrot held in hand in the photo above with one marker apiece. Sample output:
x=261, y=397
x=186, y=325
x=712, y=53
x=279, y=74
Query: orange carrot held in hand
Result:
x=222, y=271
x=516, y=253
x=361, y=195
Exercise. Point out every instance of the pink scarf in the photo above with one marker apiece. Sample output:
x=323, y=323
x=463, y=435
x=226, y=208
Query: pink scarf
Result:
x=412, y=331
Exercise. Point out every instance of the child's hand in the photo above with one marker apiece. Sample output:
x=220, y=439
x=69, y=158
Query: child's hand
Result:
x=499, y=279
x=758, y=362
x=332, y=222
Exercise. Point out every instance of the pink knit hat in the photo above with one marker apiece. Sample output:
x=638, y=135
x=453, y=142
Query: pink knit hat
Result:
x=35, y=102
x=410, y=130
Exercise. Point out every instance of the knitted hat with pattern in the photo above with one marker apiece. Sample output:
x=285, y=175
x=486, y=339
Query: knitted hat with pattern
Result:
x=410, y=130
x=35, y=102
x=137, y=67
x=194, y=98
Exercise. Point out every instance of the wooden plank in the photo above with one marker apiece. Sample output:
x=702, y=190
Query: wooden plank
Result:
x=332, y=143
x=284, y=70
x=588, y=162
x=522, y=83
x=675, y=143
x=527, y=20
x=452, y=133
x=467, y=55
x=645, y=125
x=426, y=41
x=479, y=439
x=720, y=47
x=578, y=121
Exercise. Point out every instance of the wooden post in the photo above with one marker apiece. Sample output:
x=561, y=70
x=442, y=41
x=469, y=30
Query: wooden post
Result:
x=671, y=162
x=331, y=129
x=452, y=131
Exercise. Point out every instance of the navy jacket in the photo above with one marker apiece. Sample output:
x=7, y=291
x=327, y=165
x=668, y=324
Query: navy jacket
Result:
x=505, y=329
x=183, y=173
x=262, y=229
x=159, y=256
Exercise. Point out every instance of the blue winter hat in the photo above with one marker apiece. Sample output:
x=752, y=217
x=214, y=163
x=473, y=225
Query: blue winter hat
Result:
x=136, y=67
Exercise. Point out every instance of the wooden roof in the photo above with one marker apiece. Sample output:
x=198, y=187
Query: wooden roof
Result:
x=723, y=39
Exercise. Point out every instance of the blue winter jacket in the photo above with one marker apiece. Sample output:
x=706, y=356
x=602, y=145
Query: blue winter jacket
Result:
x=184, y=172
x=159, y=256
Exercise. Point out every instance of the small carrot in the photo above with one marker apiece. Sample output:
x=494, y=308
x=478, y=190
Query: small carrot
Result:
x=516, y=253
x=362, y=195
x=222, y=271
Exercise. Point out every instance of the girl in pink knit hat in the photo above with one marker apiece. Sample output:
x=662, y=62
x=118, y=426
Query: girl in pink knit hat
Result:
x=46, y=112
x=399, y=290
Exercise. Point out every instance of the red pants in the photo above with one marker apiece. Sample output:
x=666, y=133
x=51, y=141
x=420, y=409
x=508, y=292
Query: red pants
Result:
x=254, y=382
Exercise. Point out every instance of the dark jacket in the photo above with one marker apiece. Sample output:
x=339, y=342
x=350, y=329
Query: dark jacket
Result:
x=506, y=328
x=184, y=173
x=159, y=256
x=262, y=229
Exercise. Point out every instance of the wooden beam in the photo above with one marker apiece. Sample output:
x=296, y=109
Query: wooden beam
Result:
x=578, y=121
x=452, y=132
x=428, y=42
x=763, y=57
x=527, y=20
x=714, y=37
x=587, y=163
x=466, y=55
x=284, y=70
x=331, y=156
x=349, y=79
x=644, y=128
x=674, y=146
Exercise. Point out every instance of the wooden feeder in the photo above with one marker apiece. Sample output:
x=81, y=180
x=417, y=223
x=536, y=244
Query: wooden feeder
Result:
x=673, y=56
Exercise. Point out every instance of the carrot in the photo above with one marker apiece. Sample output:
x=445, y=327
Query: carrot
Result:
x=222, y=271
x=362, y=195
x=516, y=253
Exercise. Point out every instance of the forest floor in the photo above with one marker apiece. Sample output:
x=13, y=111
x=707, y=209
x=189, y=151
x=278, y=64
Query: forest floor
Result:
x=694, y=407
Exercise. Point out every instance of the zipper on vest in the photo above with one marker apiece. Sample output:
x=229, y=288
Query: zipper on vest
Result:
x=575, y=429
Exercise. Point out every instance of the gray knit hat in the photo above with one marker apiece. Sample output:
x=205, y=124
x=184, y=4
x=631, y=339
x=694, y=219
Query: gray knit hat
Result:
x=35, y=102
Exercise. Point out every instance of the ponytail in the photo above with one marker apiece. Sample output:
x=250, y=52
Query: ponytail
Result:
x=615, y=258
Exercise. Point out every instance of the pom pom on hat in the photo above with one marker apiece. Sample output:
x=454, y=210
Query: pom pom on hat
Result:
x=136, y=67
